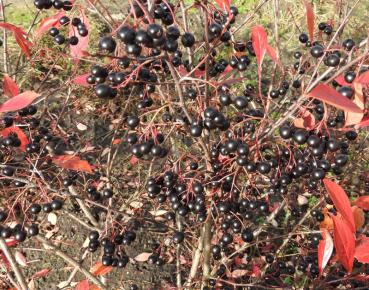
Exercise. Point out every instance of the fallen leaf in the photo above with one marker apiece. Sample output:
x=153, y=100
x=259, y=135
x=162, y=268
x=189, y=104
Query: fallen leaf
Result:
x=81, y=127
x=52, y=218
x=136, y=204
x=19, y=101
x=81, y=80
x=20, y=258
x=344, y=241
x=99, y=269
x=325, y=249
x=72, y=162
x=362, y=250
x=330, y=96
x=10, y=87
x=83, y=285
x=340, y=201
x=239, y=273
x=41, y=273
x=359, y=217
x=143, y=257
x=158, y=212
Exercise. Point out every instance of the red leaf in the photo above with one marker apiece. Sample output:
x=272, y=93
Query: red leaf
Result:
x=363, y=78
x=81, y=80
x=83, y=285
x=307, y=121
x=19, y=102
x=20, y=258
x=325, y=249
x=344, y=241
x=9, y=86
x=341, y=81
x=11, y=242
x=259, y=43
x=4, y=259
x=352, y=118
x=341, y=202
x=310, y=19
x=364, y=122
x=47, y=23
x=72, y=162
x=362, y=202
x=272, y=53
x=99, y=269
x=362, y=250
x=20, y=37
x=256, y=271
x=21, y=136
x=133, y=160
x=41, y=273
x=224, y=4
x=79, y=50
x=359, y=216
x=329, y=95
x=197, y=73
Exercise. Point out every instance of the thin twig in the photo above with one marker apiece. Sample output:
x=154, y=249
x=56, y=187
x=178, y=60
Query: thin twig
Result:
x=5, y=39
x=13, y=264
x=70, y=260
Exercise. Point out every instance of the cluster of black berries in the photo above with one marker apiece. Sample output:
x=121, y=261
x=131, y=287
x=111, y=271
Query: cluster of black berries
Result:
x=332, y=58
x=72, y=40
x=20, y=232
x=57, y=4
x=113, y=252
x=56, y=204
x=96, y=195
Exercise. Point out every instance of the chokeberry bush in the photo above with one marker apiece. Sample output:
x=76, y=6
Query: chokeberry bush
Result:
x=156, y=144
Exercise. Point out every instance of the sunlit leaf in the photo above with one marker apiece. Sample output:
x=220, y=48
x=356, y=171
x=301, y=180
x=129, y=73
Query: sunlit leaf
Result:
x=325, y=249
x=330, y=96
x=344, y=241
x=10, y=88
x=340, y=201
x=19, y=101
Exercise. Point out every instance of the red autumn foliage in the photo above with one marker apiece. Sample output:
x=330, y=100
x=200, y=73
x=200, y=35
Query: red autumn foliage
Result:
x=19, y=101
x=10, y=88
x=99, y=269
x=72, y=162
x=325, y=249
x=19, y=132
x=20, y=37
x=330, y=96
x=340, y=201
x=362, y=250
x=79, y=50
x=310, y=19
x=344, y=242
x=47, y=23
